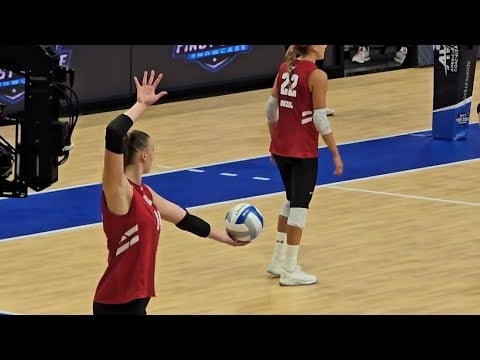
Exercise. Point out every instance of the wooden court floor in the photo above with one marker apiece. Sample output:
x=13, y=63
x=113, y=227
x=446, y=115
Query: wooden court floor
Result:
x=405, y=243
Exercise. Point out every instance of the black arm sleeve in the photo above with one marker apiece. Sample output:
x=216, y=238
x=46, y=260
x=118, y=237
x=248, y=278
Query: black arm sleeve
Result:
x=116, y=131
x=194, y=224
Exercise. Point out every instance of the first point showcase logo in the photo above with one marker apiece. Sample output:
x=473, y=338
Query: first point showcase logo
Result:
x=12, y=85
x=210, y=57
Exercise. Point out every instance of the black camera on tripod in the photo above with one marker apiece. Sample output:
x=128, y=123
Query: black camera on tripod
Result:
x=42, y=139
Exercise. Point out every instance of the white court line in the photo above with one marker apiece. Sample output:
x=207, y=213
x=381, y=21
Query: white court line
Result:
x=260, y=178
x=257, y=197
x=457, y=202
x=335, y=183
x=228, y=174
x=404, y=172
x=225, y=162
x=7, y=313
x=51, y=232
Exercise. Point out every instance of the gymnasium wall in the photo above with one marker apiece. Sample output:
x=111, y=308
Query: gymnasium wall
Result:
x=104, y=73
x=425, y=55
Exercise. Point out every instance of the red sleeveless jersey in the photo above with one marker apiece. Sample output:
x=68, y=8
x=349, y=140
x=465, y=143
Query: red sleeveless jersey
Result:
x=295, y=134
x=132, y=242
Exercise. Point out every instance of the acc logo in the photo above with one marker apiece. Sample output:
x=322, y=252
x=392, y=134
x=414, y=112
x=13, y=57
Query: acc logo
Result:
x=448, y=57
x=463, y=119
x=210, y=57
x=12, y=85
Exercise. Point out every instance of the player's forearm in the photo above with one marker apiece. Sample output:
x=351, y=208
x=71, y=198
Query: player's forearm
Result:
x=332, y=145
x=271, y=129
x=136, y=111
x=216, y=234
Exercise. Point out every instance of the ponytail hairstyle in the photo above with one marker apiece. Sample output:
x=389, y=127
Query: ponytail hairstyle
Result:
x=135, y=141
x=291, y=55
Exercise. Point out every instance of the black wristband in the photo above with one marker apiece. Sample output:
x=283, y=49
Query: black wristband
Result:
x=116, y=131
x=195, y=225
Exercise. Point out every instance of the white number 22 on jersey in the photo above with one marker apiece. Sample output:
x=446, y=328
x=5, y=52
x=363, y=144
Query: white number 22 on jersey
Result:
x=285, y=89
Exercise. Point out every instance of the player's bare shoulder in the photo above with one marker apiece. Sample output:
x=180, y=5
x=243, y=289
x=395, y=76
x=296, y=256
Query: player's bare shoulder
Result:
x=317, y=77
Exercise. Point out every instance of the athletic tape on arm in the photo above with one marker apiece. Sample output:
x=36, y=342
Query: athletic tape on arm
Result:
x=272, y=109
x=321, y=122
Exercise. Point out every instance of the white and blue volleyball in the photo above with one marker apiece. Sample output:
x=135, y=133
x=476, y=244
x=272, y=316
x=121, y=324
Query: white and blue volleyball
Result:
x=244, y=222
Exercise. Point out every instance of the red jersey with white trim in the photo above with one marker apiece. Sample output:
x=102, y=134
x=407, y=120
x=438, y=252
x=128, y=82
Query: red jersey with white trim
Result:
x=295, y=134
x=132, y=241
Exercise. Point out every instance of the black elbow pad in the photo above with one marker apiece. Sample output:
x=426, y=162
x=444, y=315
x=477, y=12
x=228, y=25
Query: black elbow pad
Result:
x=195, y=225
x=115, y=133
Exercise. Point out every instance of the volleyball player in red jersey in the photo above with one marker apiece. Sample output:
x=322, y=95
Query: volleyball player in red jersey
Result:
x=132, y=212
x=296, y=115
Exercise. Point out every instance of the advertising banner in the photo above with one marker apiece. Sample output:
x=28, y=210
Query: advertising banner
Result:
x=102, y=72
x=454, y=72
x=192, y=66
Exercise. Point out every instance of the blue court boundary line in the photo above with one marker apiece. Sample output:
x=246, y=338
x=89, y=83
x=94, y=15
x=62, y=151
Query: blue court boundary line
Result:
x=387, y=155
x=327, y=185
x=229, y=161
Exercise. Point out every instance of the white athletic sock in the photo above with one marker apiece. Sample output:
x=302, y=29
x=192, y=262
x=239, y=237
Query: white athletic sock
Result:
x=280, y=245
x=292, y=255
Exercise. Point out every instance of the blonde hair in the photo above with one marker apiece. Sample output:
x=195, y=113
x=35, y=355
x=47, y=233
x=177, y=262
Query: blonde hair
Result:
x=291, y=55
x=134, y=142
